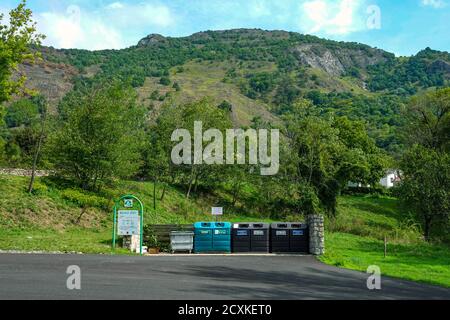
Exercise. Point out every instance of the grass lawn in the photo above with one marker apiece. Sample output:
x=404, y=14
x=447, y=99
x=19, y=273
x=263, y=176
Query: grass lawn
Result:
x=420, y=262
x=355, y=240
x=67, y=241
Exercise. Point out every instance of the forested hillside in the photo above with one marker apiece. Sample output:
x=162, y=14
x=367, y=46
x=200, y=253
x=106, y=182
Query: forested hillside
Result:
x=346, y=112
x=260, y=74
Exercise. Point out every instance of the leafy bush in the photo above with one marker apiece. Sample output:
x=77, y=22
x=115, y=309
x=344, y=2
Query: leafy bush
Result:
x=39, y=188
x=83, y=199
x=165, y=81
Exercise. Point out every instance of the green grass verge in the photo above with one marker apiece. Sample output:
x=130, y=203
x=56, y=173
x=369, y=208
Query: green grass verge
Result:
x=420, y=262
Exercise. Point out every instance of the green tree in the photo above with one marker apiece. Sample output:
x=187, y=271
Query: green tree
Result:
x=100, y=139
x=428, y=120
x=21, y=113
x=425, y=186
x=17, y=39
x=226, y=106
x=173, y=117
x=324, y=154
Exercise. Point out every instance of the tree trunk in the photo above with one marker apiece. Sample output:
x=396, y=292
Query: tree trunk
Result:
x=427, y=228
x=38, y=151
x=196, y=182
x=191, y=181
x=163, y=192
x=154, y=194
x=83, y=211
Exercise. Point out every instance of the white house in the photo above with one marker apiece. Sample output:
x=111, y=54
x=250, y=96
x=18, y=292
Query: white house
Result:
x=391, y=178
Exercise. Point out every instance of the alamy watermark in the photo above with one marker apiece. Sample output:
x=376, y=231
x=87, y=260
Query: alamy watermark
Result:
x=374, y=19
x=374, y=280
x=249, y=146
x=74, y=280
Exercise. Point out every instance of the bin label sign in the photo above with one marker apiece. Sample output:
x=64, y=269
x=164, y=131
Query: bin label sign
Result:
x=298, y=233
x=220, y=232
x=281, y=233
x=204, y=232
x=242, y=233
x=217, y=211
x=128, y=223
x=258, y=233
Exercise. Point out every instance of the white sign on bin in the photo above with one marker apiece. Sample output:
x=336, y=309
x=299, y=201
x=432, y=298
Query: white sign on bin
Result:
x=128, y=223
x=216, y=211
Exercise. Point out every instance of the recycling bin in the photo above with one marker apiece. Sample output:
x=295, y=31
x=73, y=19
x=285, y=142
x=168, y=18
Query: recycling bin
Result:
x=279, y=237
x=182, y=241
x=203, y=237
x=298, y=237
x=212, y=237
x=241, y=237
x=222, y=237
x=260, y=237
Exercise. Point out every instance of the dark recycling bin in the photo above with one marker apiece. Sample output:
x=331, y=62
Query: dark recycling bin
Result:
x=298, y=237
x=289, y=237
x=260, y=237
x=279, y=237
x=240, y=238
x=251, y=237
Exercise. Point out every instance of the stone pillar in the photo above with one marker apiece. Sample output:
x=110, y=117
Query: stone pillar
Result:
x=316, y=235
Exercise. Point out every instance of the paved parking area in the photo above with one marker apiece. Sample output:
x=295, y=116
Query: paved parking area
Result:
x=205, y=277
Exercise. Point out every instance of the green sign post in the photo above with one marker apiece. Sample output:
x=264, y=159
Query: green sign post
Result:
x=128, y=219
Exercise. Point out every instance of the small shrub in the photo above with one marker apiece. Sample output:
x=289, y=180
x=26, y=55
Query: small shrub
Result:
x=165, y=81
x=83, y=199
x=39, y=189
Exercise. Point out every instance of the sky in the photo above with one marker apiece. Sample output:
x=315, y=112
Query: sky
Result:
x=403, y=27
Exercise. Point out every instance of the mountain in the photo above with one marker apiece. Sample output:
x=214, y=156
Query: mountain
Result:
x=260, y=73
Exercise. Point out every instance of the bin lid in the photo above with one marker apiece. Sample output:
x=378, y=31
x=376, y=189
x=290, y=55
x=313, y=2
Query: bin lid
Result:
x=298, y=225
x=260, y=225
x=182, y=233
x=280, y=225
x=251, y=225
x=203, y=225
x=225, y=225
x=241, y=225
x=212, y=225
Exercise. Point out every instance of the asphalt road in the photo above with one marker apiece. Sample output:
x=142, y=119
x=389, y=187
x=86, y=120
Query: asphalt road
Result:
x=194, y=277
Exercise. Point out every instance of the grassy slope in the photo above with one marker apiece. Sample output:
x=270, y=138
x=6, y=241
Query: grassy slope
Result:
x=46, y=221
x=354, y=240
x=204, y=79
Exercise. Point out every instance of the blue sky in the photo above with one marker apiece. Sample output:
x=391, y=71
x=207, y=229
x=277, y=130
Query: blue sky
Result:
x=400, y=26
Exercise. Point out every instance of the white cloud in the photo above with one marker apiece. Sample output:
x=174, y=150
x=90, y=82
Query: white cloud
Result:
x=258, y=8
x=115, y=6
x=331, y=17
x=143, y=15
x=104, y=28
x=437, y=4
x=76, y=29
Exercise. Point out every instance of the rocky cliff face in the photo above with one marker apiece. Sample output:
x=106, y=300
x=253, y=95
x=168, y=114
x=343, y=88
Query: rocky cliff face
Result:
x=151, y=40
x=53, y=80
x=337, y=62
